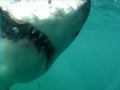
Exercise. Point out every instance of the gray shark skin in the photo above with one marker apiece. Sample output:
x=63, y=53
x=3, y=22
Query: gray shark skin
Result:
x=32, y=38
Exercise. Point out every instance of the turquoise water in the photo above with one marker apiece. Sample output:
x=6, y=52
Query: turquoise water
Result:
x=92, y=62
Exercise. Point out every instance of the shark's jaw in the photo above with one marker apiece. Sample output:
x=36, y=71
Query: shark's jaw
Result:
x=16, y=31
x=31, y=41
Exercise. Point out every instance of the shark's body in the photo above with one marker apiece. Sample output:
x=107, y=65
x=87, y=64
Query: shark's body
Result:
x=41, y=30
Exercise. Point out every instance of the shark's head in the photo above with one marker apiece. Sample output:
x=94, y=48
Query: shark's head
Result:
x=33, y=35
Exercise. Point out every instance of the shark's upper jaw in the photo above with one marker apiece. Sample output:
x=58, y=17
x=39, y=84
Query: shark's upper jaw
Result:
x=15, y=31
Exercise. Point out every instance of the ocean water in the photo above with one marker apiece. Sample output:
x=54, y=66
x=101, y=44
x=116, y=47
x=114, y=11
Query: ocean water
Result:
x=92, y=62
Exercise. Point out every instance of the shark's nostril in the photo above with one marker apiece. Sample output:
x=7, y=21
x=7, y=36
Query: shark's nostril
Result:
x=49, y=1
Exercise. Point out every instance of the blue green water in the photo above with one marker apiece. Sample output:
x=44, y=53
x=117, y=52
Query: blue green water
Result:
x=92, y=62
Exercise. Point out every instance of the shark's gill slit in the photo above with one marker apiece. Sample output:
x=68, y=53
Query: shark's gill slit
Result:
x=17, y=31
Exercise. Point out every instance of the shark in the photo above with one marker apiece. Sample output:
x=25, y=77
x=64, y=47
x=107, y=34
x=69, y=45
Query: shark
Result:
x=33, y=33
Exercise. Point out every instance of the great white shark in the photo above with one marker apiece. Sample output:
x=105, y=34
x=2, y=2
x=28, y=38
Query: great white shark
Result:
x=34, y=33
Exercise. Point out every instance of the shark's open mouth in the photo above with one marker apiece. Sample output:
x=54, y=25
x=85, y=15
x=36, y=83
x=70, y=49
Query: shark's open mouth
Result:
x=14, y=30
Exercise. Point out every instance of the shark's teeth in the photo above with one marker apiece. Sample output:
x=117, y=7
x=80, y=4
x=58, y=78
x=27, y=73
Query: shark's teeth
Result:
x=34, y=34
x=16, y=30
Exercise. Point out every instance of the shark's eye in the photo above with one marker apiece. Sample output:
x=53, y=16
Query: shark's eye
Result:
x=76, y=33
